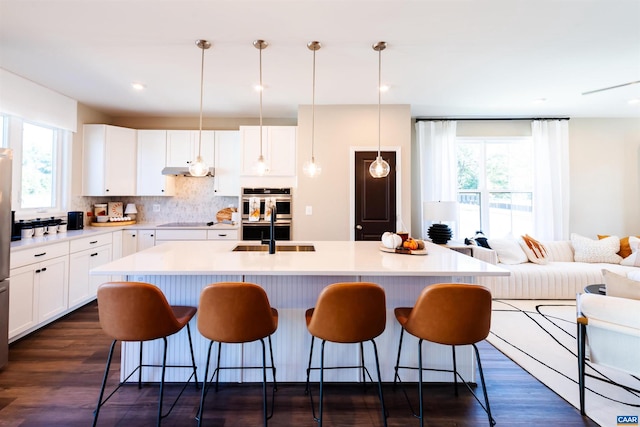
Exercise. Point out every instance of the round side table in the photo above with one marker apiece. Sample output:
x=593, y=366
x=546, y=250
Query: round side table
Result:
x=598, y=288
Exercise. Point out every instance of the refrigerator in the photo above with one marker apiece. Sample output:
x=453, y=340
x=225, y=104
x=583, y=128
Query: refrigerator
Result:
x=6, y=157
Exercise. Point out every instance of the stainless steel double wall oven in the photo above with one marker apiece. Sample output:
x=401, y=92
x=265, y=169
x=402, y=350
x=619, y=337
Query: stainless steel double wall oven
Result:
x=259, y=230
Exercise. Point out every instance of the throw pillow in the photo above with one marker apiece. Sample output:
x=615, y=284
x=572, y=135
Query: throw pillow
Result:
x=508, y=251
x=588, y=250
x=536, y=252
x=625, y=249
x=634, y=258
x=620, y=286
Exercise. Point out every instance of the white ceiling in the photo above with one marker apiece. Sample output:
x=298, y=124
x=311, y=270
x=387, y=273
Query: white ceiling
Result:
x=445, y=58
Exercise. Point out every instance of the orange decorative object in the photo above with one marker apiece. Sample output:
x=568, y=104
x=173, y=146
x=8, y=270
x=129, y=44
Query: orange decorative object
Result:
x=410, y=243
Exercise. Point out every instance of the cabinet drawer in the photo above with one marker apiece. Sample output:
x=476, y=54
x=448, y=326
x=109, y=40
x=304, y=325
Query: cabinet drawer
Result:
x=90, y=242
x=222, y=235
x=41, y=253
x=181, y=235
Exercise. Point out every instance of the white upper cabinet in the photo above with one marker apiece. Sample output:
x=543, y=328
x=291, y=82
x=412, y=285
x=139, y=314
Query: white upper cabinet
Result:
x=152, y=151
x=109, y=161
x=278, y=149
x=227, y=163
x=182, y=147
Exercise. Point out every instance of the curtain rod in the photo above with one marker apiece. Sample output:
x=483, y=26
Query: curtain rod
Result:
x=459, y=119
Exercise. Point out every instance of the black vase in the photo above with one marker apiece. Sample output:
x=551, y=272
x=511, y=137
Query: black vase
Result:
x=439, y=234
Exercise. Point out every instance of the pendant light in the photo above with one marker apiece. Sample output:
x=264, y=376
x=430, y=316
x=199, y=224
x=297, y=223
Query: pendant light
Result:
x=199, y=167
x=262, y=165
x=380, y=168
x=311, y=168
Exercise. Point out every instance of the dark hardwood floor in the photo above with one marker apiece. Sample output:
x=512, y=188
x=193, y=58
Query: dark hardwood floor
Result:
x=54, y=375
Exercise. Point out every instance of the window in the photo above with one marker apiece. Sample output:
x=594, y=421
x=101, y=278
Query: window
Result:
x=38, y=160
x=495, y=185
x=38, y=167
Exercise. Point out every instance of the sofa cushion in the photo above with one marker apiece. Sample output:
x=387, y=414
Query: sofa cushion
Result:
x=634, y=258
x=509, y=251
x=625, y=247
x=536, y=252
x=620, y=286
x=589, y=250
x=559, y=251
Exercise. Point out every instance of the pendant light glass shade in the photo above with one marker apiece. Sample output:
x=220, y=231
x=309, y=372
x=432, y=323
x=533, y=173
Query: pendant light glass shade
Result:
x=311, y=168
x=380, y=168
x=198, y=167
x=261, y=166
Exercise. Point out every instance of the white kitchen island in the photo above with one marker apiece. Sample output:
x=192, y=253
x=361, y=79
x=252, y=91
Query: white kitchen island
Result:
x=293, y=281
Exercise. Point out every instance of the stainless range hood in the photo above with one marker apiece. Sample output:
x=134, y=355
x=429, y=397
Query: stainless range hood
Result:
x=183, y=171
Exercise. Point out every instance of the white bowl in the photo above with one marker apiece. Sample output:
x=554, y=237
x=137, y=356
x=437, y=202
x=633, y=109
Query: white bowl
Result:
x=102, y=218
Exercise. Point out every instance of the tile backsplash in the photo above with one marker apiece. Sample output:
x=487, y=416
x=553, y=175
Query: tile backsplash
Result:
x=195, y=201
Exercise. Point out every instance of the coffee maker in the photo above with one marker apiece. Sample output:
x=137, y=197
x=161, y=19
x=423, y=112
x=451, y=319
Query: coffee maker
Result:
x=16, y=229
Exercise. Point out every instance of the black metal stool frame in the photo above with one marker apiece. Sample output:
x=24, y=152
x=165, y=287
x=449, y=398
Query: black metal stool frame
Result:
x=456, y=375
x=216, y=374
x=138, y=368
x=322, y=368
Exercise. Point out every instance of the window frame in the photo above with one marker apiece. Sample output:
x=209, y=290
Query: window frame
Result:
x=12, y=138
x=483, y=192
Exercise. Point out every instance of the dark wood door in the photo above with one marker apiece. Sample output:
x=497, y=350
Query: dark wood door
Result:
x=375, y=210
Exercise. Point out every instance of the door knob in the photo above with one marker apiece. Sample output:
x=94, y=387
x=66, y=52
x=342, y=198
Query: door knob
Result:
x=358, y=227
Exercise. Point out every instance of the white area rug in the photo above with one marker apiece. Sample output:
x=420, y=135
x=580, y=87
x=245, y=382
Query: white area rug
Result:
x=540, y=336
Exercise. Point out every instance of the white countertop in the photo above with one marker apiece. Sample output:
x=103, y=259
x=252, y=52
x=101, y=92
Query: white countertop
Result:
x=330, y=258
x=47, y=239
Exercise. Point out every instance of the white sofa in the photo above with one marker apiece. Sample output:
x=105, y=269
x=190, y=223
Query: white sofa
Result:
x=561, y=278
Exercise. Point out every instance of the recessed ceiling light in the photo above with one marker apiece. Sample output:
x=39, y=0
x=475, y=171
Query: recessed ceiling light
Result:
x=138, y=86
x=540, y=101
x=634, y=101
x=384, y=88
x=258, y=88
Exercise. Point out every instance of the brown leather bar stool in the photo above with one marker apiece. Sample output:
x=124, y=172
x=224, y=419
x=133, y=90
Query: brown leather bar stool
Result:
x=237, y=312
x=347, y=313
x=450, y=314
x=136, y=311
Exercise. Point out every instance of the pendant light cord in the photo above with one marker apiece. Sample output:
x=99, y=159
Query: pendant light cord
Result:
x=379, y=94
x=261, y=90
x=201, y=97
x=313, y=108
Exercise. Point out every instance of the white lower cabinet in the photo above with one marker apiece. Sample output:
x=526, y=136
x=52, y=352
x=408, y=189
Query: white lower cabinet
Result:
x=82, y=285
x=137, y=240
x=85, y=254
x=39, y=287
x=223, y=234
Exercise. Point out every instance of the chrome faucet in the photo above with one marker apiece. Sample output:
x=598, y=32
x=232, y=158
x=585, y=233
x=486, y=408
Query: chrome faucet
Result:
x=272, y=231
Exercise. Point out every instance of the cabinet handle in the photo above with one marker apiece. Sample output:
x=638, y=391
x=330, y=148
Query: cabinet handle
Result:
x=162, y=191
x=43, y=253
x=222, y=235
x=37, y=271
x=106, y=191
x=44, y=269
x=151, y=235
x=133, y=235
x=96, y=254
x=94, y=242
x=41, y=270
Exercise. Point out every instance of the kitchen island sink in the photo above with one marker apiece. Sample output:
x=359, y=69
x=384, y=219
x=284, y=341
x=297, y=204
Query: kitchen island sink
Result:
x=279, y=248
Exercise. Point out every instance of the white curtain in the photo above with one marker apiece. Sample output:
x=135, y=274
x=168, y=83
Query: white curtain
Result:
x=438, y=166
x=551, y=182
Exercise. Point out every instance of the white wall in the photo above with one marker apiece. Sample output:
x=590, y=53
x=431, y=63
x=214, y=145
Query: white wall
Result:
x=605, y=178
x=339, y=129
